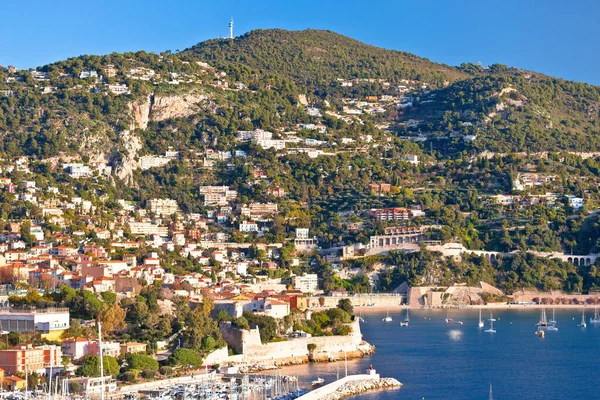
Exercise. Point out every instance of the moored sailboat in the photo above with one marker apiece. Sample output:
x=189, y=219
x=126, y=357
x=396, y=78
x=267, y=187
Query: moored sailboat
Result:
x=388, y=318
x=583, y=324
x=481, y=324
x=448, y=319
x=596, y=318
x=543, y=319
x=491, y=328
x=406, y=319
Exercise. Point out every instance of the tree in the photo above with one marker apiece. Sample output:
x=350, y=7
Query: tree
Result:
x=186, y=358
x=112, y=318
x=267, y=326
x=149, y=373
x=128, y=376
x=76, y=330
x=202, y=331
x=91, y=366
x=109, y=297
x=141, y=362
x=346, y=305
x=25, y=231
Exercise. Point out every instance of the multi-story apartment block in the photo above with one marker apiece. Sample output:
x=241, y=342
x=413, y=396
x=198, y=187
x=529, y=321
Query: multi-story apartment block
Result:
x=163, y=206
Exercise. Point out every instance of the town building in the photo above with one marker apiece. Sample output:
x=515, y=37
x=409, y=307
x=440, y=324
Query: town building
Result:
x=31, y=359
x=303, y=242
x=307, y=283
x=50, y=322
x=217, y=195
x=163, y=206
x=147, y=162
x=133, y=347
x=148, y=228
x=391, y=214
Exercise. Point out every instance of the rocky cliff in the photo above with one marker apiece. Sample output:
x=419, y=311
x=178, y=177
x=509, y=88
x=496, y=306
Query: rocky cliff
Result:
x=180, y=106
x=153, y=108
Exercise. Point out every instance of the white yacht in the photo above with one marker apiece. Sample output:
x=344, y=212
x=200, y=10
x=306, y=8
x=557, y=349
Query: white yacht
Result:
x=481, y=324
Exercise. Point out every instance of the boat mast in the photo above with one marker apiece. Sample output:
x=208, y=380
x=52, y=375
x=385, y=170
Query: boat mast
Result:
x=101, y=361
x=50, y=377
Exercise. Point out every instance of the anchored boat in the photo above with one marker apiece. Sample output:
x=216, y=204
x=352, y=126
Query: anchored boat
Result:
x=583, y=324
x=491, y=328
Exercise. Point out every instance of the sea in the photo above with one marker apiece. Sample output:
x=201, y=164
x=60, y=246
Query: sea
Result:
x=436, y=360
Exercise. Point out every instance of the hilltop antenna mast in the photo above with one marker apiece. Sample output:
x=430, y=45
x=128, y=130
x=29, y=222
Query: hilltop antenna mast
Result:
x=231, y=28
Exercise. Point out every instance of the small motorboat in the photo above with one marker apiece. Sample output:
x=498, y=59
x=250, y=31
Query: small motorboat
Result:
x=540, y=333
x=318, y=382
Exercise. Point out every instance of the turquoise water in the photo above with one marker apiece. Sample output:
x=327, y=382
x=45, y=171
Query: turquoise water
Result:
x=439, y=360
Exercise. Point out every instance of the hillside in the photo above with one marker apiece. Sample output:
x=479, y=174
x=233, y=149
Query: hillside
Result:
x=512, y=110
x=326, y=128
x=58, y=112
x=316, y=57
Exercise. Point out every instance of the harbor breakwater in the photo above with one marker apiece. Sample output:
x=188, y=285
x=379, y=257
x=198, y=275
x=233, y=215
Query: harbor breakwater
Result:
x=351, y=385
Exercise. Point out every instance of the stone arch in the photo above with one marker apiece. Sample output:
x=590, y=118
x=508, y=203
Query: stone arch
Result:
x=588, y=261
x=493, y=257
x=570, y=260
x=576, y=261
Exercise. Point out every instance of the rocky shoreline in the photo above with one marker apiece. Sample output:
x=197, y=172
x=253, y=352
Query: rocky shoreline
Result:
x=362, y=386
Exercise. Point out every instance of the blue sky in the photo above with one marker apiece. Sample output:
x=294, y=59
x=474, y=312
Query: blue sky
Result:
x=559, y=38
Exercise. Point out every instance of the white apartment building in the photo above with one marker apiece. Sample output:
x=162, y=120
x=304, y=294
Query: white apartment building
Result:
x=39, y=75
x=411, y=159
x=248, y=227
x=307, y=283
x=217, y=195
x=88, y=74
x=43, y=320
x=259, y=209
x=148, y=228
x=575, y=202
x=118, y=89
x=147, y=162
x=163, y=206
x=78, y=170
x=258, y=134
x=271, y=144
